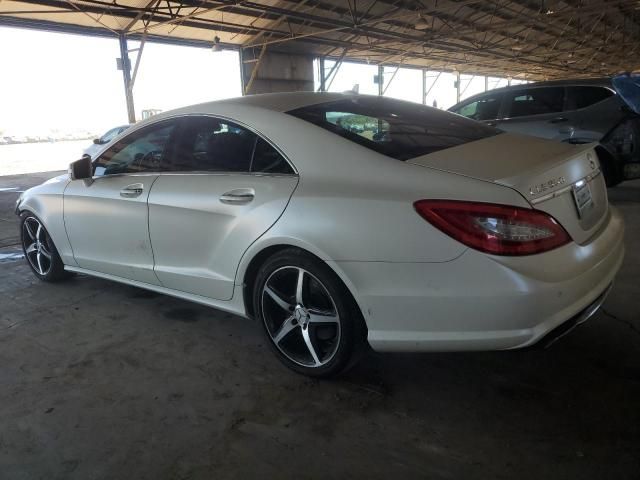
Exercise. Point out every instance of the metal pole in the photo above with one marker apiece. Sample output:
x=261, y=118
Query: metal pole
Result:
x=254, y=72
x=241, y=60
x=424, y=86
x=457, y=87
x=126, y=77
x=323, y=87
x=486, y=83
x=384, y=90
x=380, y=80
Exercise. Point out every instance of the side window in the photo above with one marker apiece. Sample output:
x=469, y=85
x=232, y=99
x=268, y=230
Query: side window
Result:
x=581, y=97
x=486, y=108
x=212, y=145
x=535, y=101
x=266, y=159
x=141, y=151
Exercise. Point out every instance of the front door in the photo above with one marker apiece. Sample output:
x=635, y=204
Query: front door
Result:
x=107, y=219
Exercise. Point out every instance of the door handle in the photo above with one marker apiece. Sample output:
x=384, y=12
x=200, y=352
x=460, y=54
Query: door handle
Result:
x=132, y=191
x=558, y=120
x=491, y=123
x=239, y=196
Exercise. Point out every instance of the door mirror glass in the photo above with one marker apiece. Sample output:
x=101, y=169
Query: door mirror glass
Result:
x=81, y=169
x=97, y=141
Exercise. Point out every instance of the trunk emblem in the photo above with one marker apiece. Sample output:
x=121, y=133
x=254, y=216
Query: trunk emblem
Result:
x=549, y=184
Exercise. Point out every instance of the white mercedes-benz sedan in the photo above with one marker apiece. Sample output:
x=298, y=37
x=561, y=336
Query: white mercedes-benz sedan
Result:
x=340, y=221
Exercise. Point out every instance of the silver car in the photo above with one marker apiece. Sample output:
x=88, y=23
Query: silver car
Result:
x=418, y=231
x=98, y=143
x=601, y=110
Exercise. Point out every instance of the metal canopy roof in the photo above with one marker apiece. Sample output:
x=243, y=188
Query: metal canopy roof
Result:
x=533, y=38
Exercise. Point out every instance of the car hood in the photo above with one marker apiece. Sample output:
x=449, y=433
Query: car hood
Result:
x=628, y=87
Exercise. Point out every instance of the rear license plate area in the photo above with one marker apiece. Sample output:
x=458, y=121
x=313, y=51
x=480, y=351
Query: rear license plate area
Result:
x=582, y=198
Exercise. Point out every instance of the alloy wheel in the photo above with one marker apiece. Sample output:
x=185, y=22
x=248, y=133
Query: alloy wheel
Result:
x=37, y=245
x=301, y=317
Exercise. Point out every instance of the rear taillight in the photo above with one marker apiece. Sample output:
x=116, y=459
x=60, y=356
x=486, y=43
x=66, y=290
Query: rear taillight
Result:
x=495, y=229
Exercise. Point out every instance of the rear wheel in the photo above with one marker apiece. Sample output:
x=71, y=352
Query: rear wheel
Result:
x=39, y=250
x=310, y=319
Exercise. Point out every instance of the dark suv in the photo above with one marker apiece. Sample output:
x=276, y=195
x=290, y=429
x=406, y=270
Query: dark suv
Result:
x=604, y=110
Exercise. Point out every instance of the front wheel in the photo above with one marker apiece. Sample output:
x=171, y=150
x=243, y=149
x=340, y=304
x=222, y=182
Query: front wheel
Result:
x=309, y=317
x=39, y=250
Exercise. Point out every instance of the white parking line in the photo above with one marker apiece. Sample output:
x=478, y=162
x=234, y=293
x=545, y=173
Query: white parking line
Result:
x=11, y=256
x=11, y=189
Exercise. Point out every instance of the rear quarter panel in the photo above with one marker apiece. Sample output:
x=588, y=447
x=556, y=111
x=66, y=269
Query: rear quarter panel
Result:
x=353, y=204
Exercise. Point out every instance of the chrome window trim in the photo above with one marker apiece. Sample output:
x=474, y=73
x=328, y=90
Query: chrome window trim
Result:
x=207, y=172
x=127, y=174
x=226, y=174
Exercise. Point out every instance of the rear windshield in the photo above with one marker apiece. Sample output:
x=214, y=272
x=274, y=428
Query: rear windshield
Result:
x=398, y=129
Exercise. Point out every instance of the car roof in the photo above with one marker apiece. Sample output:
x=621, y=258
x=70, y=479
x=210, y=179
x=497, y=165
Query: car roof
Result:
x=599, y=82
x=278, y=102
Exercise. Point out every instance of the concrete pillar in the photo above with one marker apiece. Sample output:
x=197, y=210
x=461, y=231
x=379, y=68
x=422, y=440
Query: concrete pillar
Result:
x=277, y=72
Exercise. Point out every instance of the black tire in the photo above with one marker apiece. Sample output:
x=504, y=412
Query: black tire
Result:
x=48, y=267
x=338, y=344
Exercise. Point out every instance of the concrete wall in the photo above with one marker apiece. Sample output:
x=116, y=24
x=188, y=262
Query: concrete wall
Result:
x=279, y=72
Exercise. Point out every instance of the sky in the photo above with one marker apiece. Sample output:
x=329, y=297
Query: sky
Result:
x=406, y=84
x=69, y=83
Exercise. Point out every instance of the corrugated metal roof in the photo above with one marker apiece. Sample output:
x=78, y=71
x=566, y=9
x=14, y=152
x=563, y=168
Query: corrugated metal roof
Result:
x=531, y=39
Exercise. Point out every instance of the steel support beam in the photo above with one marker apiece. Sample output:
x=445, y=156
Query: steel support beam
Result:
x=323, y=86
x=243, y=84
x=126, y=77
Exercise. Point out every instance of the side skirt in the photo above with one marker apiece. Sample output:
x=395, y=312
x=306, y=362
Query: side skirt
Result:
x=235, y=305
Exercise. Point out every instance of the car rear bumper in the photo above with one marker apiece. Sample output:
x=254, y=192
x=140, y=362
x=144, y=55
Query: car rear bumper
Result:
x=481, y=302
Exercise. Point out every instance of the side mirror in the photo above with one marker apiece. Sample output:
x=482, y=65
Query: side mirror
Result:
x=81, y=169
x=97, y=141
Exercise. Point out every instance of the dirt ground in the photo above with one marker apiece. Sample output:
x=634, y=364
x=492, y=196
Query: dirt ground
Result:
x=104, y=381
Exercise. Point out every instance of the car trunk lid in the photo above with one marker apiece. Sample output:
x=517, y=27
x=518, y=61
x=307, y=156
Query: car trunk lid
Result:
x=558, y=178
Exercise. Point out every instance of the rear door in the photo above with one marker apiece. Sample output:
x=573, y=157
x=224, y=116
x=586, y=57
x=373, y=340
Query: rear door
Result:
x=592, y=110
x=536, y=111
x=225, y=186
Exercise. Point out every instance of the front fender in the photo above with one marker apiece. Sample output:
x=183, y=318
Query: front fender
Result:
x=46, y=201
